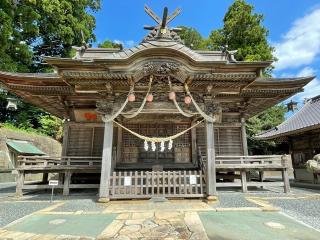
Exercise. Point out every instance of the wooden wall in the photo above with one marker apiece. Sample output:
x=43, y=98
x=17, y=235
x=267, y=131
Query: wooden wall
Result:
x=304, y=147
x=228, y=139
x=86, y=139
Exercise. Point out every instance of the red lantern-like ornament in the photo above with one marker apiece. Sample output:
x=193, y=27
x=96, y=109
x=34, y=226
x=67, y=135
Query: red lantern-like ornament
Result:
x=172, y=95
x=131, y=97
x=187, y=100
x=150, y=98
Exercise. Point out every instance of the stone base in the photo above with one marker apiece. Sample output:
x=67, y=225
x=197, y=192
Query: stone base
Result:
x=212, y=198
x=104, y=200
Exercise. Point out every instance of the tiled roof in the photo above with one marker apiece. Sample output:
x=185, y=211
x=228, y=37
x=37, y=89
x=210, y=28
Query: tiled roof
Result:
x=308, y=117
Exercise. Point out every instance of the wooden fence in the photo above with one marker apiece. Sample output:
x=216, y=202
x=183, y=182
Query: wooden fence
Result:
x=145, y=184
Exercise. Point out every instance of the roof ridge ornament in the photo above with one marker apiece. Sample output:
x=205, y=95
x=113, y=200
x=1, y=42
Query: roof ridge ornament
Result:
x=84, y=46
x=162, y=31
x=229, y=53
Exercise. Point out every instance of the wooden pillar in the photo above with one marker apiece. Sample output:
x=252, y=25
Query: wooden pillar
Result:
x=211, y=164
x=119, y=146
x=45, y=177
x=66, y=183
x=64, y=153
x=244, y=137
x=194, y=144
x=244, y=181
x=65, y=138
x=285, y=176
x=106, y=162
x=20, y=182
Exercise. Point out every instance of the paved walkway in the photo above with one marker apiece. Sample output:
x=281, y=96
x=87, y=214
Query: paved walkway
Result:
x=258, y=215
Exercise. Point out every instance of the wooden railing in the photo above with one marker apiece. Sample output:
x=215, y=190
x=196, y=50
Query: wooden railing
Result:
x=263, y=160
x=143, y=184
x=259, y=160
x=25, y=162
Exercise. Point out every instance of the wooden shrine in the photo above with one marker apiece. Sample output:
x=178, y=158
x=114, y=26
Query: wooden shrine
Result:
x=124, y=111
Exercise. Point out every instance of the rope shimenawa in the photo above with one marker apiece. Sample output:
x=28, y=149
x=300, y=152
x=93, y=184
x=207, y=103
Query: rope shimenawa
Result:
x=142, y=105
x=205, y=116
x=158, y=139
x=111, y=118
x=178, y=107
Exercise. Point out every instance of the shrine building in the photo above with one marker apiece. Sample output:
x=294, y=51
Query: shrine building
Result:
x=158, y=119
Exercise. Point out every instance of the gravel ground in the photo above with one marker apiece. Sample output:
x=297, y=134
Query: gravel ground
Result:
x=86, y=205
x=233, y=200
x=12, y=211
x=278, y=192
x=307, y=211
x=7, y=189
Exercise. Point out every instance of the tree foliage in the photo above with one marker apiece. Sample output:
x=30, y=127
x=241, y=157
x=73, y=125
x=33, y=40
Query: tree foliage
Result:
x=110, y=44
x=243, y=31
x=192, y=38
x=32, y=29
x=266, y=120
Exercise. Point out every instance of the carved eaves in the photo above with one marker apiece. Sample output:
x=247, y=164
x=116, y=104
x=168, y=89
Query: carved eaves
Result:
x=41, y=90
x=94, y=75
x=246, y=76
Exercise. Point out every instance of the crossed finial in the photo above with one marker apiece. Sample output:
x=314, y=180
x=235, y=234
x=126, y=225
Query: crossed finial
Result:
x=162, y=23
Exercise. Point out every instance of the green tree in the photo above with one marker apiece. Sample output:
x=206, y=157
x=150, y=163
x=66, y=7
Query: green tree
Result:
x=110, y=44
x=32, y=29
x=51, y=125
x=243, y=31
x=265, y=120
x=192, y=38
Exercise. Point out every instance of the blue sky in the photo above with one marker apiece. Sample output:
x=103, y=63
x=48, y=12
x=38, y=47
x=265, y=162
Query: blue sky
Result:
x=294, y=28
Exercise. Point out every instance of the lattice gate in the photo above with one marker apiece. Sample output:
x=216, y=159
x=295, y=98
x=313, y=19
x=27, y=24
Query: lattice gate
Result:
x=147, y=184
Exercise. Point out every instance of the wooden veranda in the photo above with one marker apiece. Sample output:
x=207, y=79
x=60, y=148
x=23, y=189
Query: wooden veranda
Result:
x=147, y=184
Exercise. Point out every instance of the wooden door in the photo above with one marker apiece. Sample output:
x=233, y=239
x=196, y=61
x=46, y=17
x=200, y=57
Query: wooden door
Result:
x=133, y=147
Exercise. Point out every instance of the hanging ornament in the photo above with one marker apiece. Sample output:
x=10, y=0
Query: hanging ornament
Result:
x=170, y=144
x=153, y=146
x=150, y=97
x=187, y=100
x=162, y=146
x=146, y=146
x=131, y=97
x=172, y=95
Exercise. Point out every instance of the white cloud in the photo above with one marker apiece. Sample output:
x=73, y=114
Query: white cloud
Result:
x=312, y=89
x=307, y=71
x=301, y=44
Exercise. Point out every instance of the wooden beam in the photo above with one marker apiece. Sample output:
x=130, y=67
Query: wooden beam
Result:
x=106, y=162
x=211, y=168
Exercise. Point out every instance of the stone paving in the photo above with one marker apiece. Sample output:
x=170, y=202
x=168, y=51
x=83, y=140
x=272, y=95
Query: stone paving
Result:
x=156, y=225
